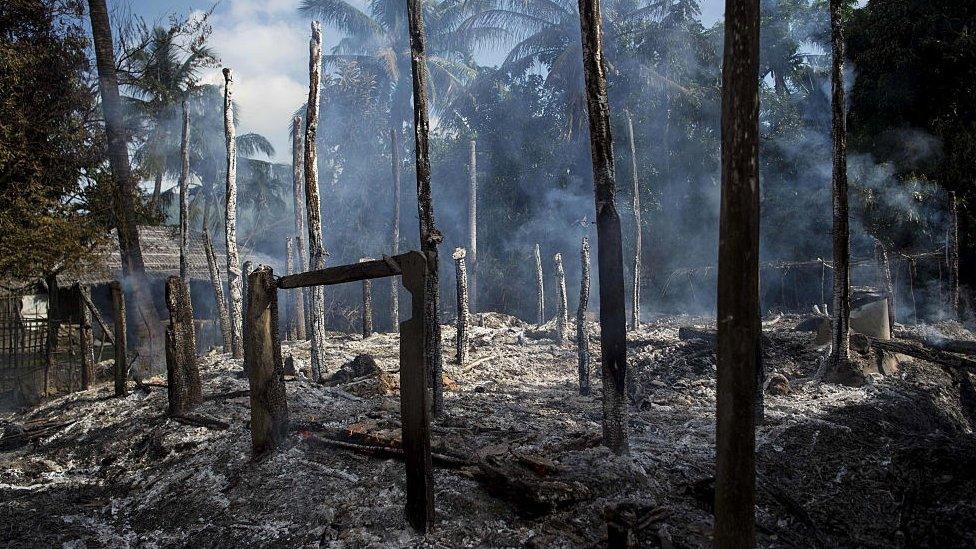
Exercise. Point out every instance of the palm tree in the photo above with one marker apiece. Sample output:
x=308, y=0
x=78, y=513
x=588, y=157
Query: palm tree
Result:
x=160, y=73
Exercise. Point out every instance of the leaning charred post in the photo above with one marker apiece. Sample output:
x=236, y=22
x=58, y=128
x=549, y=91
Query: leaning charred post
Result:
x=739, y=345
x=235, y=282
x=582, y=340
x=269, y=409
x=220, y=300
x=461, y=341
x=430, y=237
x=316, y=249
x=540, y=307
x=562, y=314
x=610, y=260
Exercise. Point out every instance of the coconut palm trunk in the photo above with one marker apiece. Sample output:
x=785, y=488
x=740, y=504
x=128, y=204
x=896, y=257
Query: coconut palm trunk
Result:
x=473, y=223
x=739, y=345
x=395, y=232
x=582, y=340
x=235, y=282
x=126, y=188
x=430, y=237
x=184, y=195
x=635, y=310
x=610, y=261
x=298, y=197
x=316, y=249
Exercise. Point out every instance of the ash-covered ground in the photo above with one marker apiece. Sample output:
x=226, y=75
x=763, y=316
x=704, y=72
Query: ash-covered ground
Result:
x=892, y=463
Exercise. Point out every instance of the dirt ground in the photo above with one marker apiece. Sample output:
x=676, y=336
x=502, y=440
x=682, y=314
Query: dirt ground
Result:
x=889, y=464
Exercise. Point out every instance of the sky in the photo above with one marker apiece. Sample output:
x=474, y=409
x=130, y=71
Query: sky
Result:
x=265, y=43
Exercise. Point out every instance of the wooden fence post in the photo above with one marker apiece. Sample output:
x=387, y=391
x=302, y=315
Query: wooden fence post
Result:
x=414, y=409
x=269, y=410
x=87, y=356
x=121, y=364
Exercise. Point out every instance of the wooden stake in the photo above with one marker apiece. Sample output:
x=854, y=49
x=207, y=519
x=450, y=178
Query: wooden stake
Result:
x=952, y=255
x=739, y=344
x=298, y=321
x=269, y=409
x=220, y=301
x=636, y=296
x=540, y=306
x=395, y=231
x=87, y=340
x=184, y=194
x=610, y=261
x=316, y=249
x=582, y=340
x=367, y=303
x=121, y=363
x=461, y=341
x=473, y=221
x=562, y=314
x=53, y=327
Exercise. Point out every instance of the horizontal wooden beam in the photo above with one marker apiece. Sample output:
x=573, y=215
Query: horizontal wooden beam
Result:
x=379, y=268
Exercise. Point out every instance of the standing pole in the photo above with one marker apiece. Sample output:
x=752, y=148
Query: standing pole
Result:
x=739, y=344
x=582, y=340
x=182, y=372
x=121, y=364
x=298, y=295
x=562, y=314
x=884, y=281
x=367, y=303
x=610, y=260
x=952, y=255
x=265, y=371
x=540, y=304
x=220, y=301
x=636, y=296
x=184, y=195
x=316, y=248
x=235, y=282
x=473, y=221
x=395, y=232
x=53, y=327
x=87, y=340
x=461, y=341
x=430, y=237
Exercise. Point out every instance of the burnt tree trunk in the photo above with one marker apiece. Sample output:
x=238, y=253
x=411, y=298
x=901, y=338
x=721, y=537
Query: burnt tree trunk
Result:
x=430, y=237
x=562, y=314
x=269, y=409
x=540, y=304
x=235, y=283
x=610, y=261
x=316, y=248
x=839, y=368
x=298, y=296
x=121, y=362
x=461, y=342
x=367, y=303
x=636, y=296
x=395, y=231
x=952, y=256
x=220, y=301
x=87, y=339
x=126, y=190
x=582, y=340
x=739, y=344
x=473, y=222
x=184, y=195
x=182, y=372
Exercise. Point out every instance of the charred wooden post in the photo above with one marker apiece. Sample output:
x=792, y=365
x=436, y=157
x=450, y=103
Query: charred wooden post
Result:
x=461, y=341
x=298, y=297
x=367, y=303
x=430, y=237
x=414, y=406
x=582, y=339
x=53, y=327
x=562, y=314
x=269, y=409
x=304, y=297
x=87, y=339
x=884, y=281
x=121, y=363
x=220, y=300
x=185, y=194
x=235, y=283
x=316, y=249
x=183, y=373
x=739, y=344
x=952, y=256
x=839, y=368
x=610, y=260
x=473, y=221
x=636, y=295
x=296, y=312
x=395, y=230
x=540, y=307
